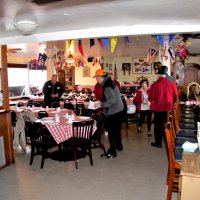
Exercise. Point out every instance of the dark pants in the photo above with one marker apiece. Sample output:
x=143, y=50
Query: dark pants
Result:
x=143, y=114
x=113, y=126
x=160, y=118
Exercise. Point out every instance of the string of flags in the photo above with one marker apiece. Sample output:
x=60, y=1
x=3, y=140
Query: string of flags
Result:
x=38, y=63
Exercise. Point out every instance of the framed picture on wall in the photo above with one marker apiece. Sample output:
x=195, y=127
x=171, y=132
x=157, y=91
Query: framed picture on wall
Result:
x=110, y=66
x=141, y=66
x=86, y=71
x=68, y=71
x=126, y=67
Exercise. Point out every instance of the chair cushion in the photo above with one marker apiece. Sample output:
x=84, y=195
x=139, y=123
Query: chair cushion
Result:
x=180, y=141
x=178, y=154
x=188, y=121
x=186, y=133
x=185, y=126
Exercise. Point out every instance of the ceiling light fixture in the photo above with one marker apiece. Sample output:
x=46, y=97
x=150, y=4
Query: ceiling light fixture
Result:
x=26, y=27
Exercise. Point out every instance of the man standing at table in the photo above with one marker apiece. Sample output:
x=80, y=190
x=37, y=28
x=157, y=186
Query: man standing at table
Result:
x=52, y=90
x=113, y=106
x=162, y=96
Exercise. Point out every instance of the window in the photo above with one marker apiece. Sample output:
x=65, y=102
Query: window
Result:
x=22, y=81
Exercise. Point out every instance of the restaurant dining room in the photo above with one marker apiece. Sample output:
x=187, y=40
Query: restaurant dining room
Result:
x=99, y=110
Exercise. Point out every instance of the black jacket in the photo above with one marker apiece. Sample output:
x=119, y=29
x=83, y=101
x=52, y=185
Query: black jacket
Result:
x=48, y=90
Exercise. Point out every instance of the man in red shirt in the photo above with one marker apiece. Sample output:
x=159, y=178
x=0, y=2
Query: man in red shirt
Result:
x=162, y=96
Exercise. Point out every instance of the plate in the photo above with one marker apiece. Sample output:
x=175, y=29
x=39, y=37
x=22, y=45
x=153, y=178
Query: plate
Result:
x=47, y=118
x=49, y=121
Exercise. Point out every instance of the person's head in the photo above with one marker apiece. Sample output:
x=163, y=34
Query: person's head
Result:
x=144, y=83
x=100, y=75
x=54, y=78
x=162, y=71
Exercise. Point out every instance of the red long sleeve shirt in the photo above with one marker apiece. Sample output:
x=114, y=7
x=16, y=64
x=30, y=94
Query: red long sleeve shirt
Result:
x=162, y=95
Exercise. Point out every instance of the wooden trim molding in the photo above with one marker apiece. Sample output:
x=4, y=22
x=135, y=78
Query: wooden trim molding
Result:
x=15, y=65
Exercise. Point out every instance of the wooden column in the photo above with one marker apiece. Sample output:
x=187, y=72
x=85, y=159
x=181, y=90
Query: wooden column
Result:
x=5, y=117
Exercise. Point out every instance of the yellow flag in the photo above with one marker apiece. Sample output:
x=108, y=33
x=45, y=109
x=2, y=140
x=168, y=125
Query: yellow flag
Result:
x=113, y=44
x=69, y=44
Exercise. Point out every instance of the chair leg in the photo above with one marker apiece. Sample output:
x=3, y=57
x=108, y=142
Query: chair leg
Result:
x=90, y=155
x=127, y=127
x=170, y=185
x=44, y=155
x=32, y=154
x=75, y=160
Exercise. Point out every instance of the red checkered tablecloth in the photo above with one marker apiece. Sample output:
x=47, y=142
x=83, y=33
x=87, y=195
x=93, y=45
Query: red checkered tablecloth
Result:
x=62, y=130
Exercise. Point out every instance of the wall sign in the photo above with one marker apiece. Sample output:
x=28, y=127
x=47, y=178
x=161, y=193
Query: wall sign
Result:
x=140, y=66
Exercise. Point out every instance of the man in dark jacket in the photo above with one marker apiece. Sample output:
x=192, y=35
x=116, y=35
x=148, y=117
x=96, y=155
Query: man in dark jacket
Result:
x=52, y=90
x=113, y=106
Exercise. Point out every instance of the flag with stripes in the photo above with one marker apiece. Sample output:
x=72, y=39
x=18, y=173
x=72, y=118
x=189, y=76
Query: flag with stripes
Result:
x=115, y=72
x=80, y=47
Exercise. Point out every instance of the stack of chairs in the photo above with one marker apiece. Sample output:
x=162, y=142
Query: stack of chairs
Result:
x=181, y=127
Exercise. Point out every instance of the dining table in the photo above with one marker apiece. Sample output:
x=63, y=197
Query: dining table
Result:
x=61, y=130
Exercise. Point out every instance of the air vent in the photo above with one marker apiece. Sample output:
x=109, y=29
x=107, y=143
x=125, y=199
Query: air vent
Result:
x=43, y=2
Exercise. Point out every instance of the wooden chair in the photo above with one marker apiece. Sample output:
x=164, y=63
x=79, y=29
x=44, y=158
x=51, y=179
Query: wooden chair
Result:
x=41, y=141
x=82, y=137
x=42, y=114
x=174, y=166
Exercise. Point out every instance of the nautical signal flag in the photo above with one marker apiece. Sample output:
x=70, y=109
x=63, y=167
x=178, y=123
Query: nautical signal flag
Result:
x=161, y=39
x=92, y=43
x=171, y=53
x=100, y=42
x=126, y=40
x=115, y=72
x=171, y=37
x=80, y=47
x=106, y=42
x=152, y=53
x=113, y=44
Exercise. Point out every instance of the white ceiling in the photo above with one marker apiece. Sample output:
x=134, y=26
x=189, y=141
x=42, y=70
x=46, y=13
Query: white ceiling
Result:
x=72, y=19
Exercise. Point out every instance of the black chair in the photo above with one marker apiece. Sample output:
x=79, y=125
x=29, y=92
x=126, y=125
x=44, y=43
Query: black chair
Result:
x=97, y=140
x=36, y=104
x=68, y=105
x=82, y=132
x=20, y=104
x=41, y=141
x=55, y=105
x=25, y=98
x=42, y=114
x=80, y=109
x=13, y=120
x=129, y=117
x=30, y=103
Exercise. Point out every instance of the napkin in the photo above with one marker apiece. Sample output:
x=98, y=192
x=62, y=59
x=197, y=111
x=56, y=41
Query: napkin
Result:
x=189, y=147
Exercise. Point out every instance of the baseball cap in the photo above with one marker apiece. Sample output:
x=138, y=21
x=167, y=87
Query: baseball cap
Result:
x=163, y=70
x=99, y=72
